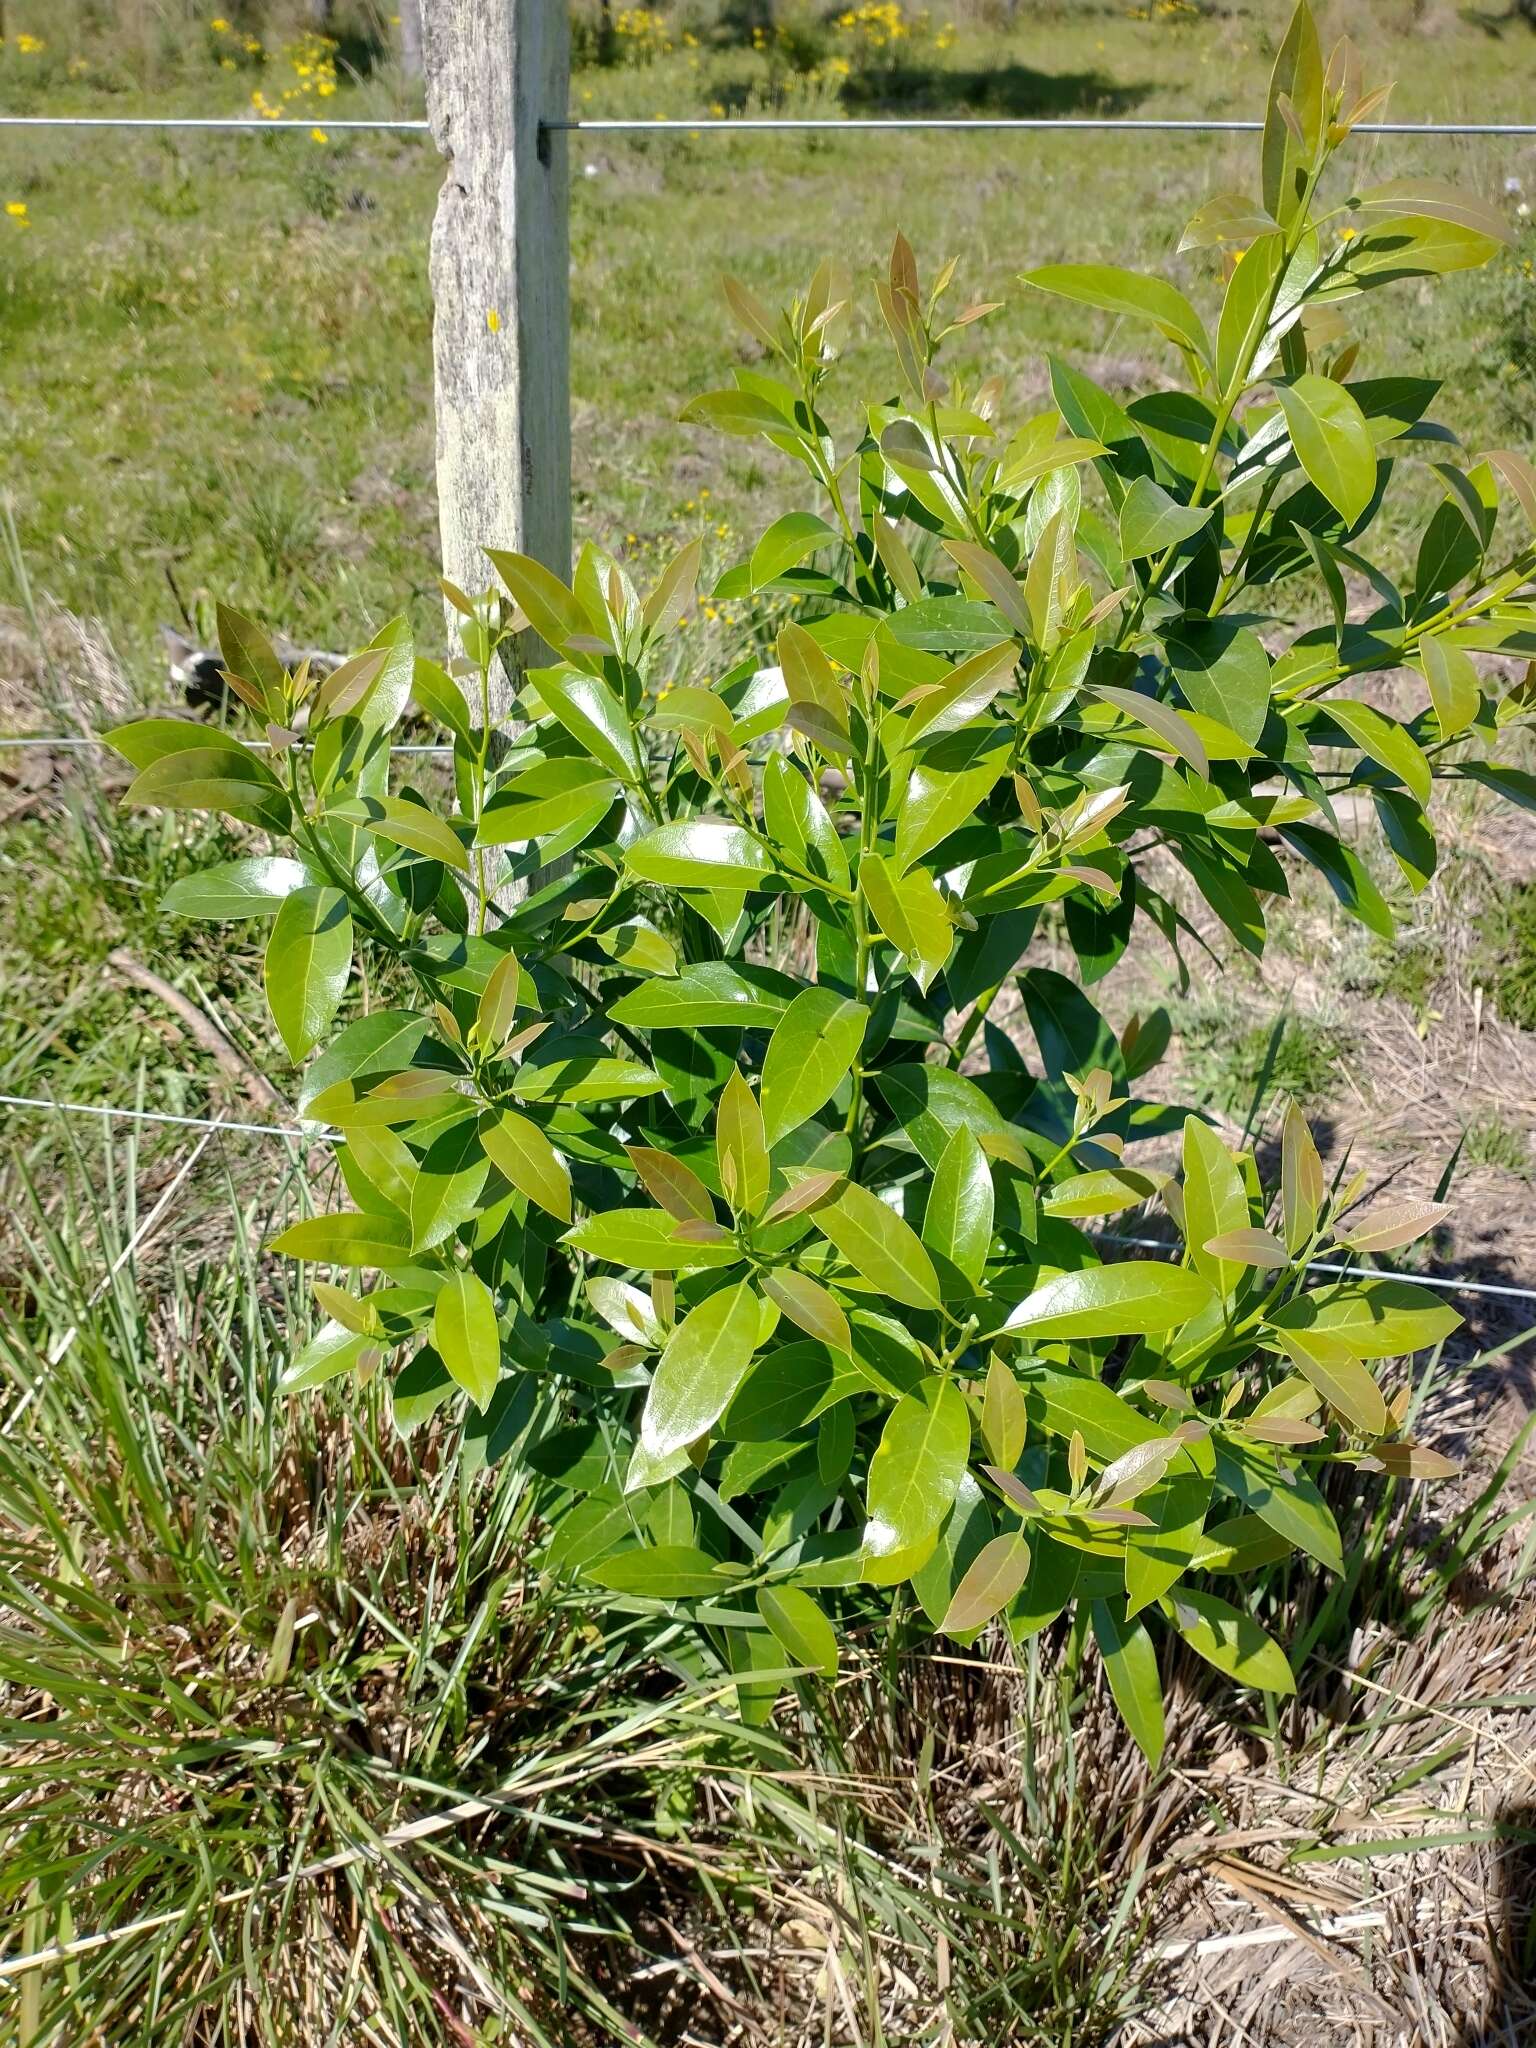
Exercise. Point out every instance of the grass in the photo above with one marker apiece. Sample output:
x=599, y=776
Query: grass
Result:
x=285, y=1714
x=242, y=1638
x=228, y=340
x=1506, y=958
x=1494, y=1141
x=281, y=1694
x=1229, y=1062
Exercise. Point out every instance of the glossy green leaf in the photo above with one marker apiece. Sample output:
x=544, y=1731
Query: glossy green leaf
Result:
x=954, y=700
x=947, y=786
x=1127, y=293
x=552, y=610
x=916, y=1469
x=1069, y=1403
x=705, y=1360
x=810, y=1054
x=552, y=798
x=1215, y=1203
x=593, y=716
x=584, y=1078
x=1151, y=520
x=1003, y=1416
x=524, y=1154
x=403, y=822
x=881, y=1248
x=255, y=887
x=465, y=1336
x=212, y=778
x=660, y=1571
x=1289, y=1503
x=1296, y=89
x=248, y=652
x=1168, y=726
x=798, y=825
x=1138, y=1298
x=712, y=995
x=1242, y=1543
x=307, y=962
x=445, y=1191
x=910, y=912
x=346, y=1239
x=1105, y=1191
x=1327, y=1364
x=1176, y=1505
x=786, y=1389
x=647, y=1239
x=1231, y=1640
x=741, y=1147
x=788, y=541
x=800, y=1627
x=1246, y=312
x=1455, y=689
x=701, y=853
x=957, y=1223
x=1384, y=740
x=1223, y=672
x=1375, y=1318
x=1053, y=1575
x=1130, y=1664
x=333, y=1351
x=1346, y=874
x=1332, y=441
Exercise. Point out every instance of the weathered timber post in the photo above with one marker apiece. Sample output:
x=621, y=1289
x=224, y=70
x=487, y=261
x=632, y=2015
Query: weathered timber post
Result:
x=500, y=271
x=410, y=38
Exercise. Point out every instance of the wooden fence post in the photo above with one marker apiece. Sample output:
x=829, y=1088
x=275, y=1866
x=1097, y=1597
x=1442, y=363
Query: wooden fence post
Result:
x=500, y=270
x=410, y=38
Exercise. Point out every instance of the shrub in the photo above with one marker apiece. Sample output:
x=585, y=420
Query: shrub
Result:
x=691, y=1159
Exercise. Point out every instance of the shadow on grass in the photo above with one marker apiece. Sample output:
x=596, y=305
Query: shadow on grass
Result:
x=1011, y=90
x=1518, y=13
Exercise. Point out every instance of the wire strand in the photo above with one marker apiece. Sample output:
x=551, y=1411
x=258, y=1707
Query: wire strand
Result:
x=236, y=124
x=323, y=1135
x=61, y=742
x=1029, y=124
x=107, y=1111
x=710, y=124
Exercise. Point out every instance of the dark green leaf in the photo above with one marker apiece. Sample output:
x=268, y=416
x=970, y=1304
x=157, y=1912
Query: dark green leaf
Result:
x=1130, y=1664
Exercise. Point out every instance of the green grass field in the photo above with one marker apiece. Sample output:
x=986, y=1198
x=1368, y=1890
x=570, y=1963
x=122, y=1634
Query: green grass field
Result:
x=279, y=1690
x=219, y=348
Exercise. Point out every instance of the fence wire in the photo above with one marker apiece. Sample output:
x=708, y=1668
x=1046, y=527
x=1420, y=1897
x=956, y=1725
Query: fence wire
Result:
x=75, y=742
x=728, y=124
